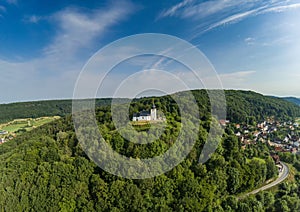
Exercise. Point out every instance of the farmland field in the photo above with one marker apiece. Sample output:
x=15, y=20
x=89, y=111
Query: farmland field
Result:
x=19, y=125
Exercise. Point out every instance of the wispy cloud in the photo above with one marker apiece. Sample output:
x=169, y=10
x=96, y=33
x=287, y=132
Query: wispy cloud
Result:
x=33, y=19
x=283, y=8
x=215, y=13
x=15, y=2
x=2, y=9
x=61, y=59
x=232, y=19
x=235, y=79
x=249, y=41
x=192, y=9
x=78, y=30
x=173, y=10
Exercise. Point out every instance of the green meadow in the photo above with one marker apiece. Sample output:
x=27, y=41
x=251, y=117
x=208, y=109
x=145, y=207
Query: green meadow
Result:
x=21, y=125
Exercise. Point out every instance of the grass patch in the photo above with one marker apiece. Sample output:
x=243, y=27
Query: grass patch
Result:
x=11, y=128
x=255, y=158
x=19, y=125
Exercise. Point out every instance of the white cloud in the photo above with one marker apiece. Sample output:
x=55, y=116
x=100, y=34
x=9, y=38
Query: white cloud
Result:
x=192, y=9
x=282, y=8
x=232, y=19
x=79, y=30
x=173, y=10
x=216, y=13
x=61, y=60
x=236, y=79
x=15, y=2
x=249, y=41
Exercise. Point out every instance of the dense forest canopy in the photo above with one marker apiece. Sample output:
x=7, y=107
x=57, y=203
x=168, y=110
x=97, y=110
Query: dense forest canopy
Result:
x=47, y=170
x=241, y=106
x=293, y=100
x=38, y=109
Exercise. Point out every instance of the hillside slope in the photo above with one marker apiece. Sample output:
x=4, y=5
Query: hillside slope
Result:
x=35, y=109
x=241, y=105
x=293, y=100
x=47, y=170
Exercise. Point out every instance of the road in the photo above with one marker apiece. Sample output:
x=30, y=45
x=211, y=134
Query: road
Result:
x=282, y=176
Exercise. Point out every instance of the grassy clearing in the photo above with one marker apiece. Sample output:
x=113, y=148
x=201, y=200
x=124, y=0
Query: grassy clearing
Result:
x=19, y=125
x=255, y=158
x=11, y=128
x=140, y=123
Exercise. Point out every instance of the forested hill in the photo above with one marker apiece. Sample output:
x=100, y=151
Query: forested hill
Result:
x=247, y=105
x=293, y=100
x=47, y=170
x=35, y=109
x=242, y=106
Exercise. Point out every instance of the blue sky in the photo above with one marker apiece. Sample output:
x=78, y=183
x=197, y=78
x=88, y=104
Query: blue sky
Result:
x=253, y=45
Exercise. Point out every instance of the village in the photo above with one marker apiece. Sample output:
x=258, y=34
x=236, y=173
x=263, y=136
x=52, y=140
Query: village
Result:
x=3, y=136
x=283, y=136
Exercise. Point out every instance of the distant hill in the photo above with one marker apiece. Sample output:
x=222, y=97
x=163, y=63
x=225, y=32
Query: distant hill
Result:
x=293, y=100
x=35, y=109
x=242, y=106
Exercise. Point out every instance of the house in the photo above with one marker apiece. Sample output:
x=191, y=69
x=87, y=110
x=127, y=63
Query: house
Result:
x=224, y=122
x=146, y=115
x=293, y=150
x=238, y=134
x=2, y=140
x=246, y=131
x=256, y=133
x=262, y=125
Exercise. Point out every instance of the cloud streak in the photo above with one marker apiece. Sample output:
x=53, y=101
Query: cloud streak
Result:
x=2, y=9
x=15, y=2
x=212, y=14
